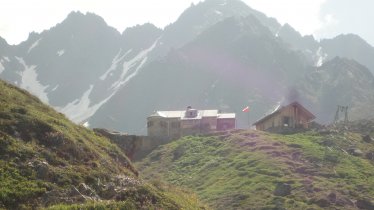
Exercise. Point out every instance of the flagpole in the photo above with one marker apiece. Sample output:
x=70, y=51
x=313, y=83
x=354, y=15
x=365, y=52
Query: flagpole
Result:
x=249, y=124
x=246, y=109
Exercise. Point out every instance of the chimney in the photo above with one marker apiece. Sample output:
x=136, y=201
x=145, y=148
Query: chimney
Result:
x=190, y=113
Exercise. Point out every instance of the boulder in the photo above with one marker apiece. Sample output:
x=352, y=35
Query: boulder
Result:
x=42, y=169
x=332, y=197
x=367, y=139
x=370, y=155
x=364, y=204
x=87, y=190
x=357, y=152
x=282, y=189
x=109, y=191
x=322, y=202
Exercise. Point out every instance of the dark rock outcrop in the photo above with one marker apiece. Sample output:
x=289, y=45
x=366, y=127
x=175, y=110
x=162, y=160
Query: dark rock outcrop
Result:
x=368, y=139
x=282, y=189
x=365, y=204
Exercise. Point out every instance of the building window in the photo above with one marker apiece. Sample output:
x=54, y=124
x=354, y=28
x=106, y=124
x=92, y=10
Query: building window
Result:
x=149, y=124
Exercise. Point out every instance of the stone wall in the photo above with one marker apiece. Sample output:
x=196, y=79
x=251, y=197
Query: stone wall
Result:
x=135, y=147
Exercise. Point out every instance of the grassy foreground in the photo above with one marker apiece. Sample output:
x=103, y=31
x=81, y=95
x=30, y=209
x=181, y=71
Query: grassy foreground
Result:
x=46, y=161
x=331, y=169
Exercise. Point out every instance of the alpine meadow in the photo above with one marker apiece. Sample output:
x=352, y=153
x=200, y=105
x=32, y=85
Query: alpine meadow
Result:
x=223, y=108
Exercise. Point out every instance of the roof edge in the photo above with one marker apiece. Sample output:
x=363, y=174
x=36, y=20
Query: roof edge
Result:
x=312, y=116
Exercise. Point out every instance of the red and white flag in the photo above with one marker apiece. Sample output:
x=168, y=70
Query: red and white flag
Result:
x=246, y=109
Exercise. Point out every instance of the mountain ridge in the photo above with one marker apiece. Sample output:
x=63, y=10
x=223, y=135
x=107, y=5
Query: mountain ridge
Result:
x=336, y=81
x=81, y=72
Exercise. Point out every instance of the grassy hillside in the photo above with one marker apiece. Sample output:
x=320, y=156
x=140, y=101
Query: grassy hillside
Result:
x=47, y=161
x=330, y=169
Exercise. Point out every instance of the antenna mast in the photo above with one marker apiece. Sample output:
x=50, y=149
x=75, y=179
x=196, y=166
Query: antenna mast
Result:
x=341, y=109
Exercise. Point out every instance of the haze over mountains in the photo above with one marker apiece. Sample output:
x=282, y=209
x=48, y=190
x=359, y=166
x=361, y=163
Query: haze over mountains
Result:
x=218, y=54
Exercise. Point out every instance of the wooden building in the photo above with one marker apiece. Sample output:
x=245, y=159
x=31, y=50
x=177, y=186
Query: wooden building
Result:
x=291, y=117
x=174, y=124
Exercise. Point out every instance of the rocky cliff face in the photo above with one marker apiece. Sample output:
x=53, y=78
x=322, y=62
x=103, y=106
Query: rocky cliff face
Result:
x=335, y=83
x=79, y=64
x=359, y=49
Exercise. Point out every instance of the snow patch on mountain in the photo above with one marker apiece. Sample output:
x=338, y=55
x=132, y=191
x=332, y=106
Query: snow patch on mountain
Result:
x=6, y=58
x=34, y=45
x=60, y=52
x=320, y=57
x=55, y=88
x=81, y=109
x=130, y=76
x=277, y=33
x=350, y=75
x=2, y=68
x=115, y=62
x=218, y=12
x=139, y=59
x=224, y=3
x=29, y=81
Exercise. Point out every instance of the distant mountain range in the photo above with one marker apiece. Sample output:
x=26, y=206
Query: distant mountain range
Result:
x=218, y=54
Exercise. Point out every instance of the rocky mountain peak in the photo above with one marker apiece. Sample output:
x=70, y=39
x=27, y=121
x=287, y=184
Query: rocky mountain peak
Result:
x=353, y=38
x=4, y=46
x=298, y=42
x=3, y=42
x=198, y=18
x=75, y=16
x=145, y=28
x=89, y=23
x=350, y=46
x=348, y=67
x=213, y=11
x=233, y=28
x=140, y=36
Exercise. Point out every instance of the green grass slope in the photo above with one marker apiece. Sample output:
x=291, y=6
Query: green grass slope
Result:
x=331, y=169
x=48, y=162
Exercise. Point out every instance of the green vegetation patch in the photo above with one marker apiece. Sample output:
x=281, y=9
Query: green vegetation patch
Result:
x=251, y=169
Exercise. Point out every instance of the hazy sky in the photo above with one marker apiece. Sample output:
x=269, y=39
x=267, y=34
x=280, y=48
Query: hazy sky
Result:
x=322, y=18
